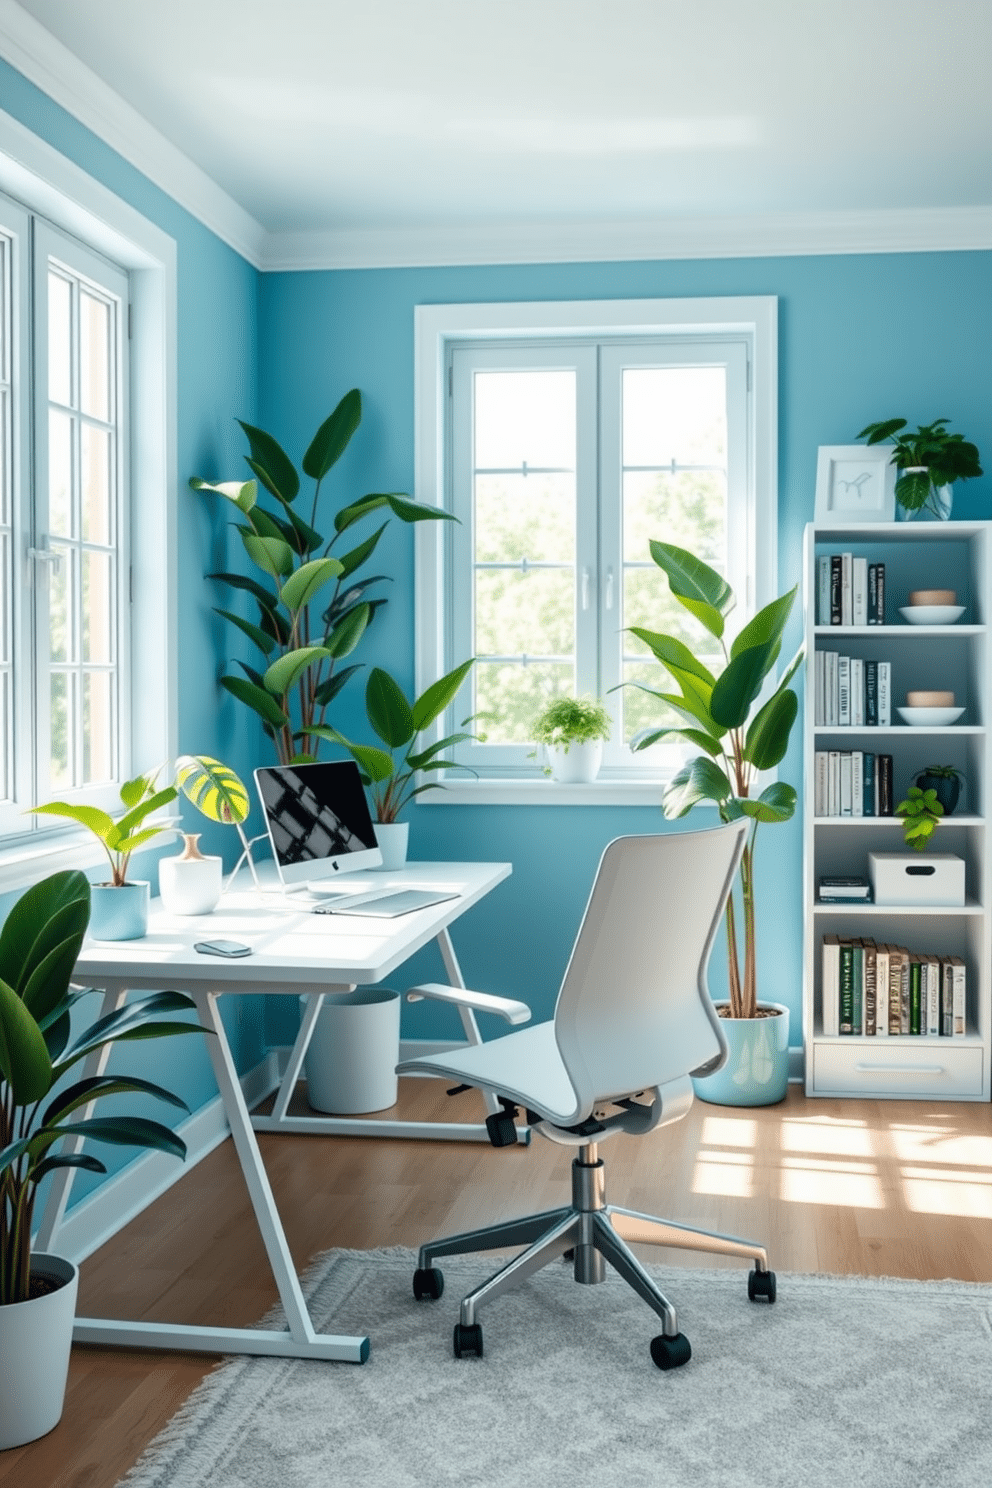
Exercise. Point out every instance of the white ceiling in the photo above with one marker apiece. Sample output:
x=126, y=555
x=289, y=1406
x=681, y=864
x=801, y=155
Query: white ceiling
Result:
x=420, y=116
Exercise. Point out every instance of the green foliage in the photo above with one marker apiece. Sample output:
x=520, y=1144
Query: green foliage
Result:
x=930, y=456
x=39, y=944
x=390, y=772
x=922, y=813
x=721, y=714
x=313, y=608
x=120, y=838
x=569, y=720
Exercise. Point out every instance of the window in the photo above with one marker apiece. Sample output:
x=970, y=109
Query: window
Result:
x=87, y=508
x=562, y=455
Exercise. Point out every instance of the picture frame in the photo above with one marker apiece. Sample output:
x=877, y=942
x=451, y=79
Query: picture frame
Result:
x=855, y=483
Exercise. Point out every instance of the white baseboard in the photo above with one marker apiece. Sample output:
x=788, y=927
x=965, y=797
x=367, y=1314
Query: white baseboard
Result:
x=91, y=1223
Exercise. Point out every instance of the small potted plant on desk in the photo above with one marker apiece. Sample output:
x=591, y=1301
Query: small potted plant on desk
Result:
x=739, y=737
x=929, y=462
x=39, y=944
x=120, y=907
x=390, y=773
x=571, y=732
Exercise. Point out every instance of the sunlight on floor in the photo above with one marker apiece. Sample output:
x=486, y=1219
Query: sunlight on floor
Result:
x=729, y=1173
x=844, y=1138
x=926, y=1143
x=934, y=1191
x=810, y=1180
x=729, y=1131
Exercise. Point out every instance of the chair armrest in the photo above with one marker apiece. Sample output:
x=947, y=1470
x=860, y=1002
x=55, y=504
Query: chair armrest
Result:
x=479, y=1002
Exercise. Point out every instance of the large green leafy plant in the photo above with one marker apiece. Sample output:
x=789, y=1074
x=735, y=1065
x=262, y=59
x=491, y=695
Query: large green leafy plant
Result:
x=313, y=603
x=928, y=458
x=39, y=944
x=738, y=735
x=391, y=772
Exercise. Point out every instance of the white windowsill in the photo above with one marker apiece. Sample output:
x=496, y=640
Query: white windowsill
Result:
x=29, y=861
x=522, y=791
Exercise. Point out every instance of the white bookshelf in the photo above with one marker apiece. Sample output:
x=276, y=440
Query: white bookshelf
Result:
x=917, y=555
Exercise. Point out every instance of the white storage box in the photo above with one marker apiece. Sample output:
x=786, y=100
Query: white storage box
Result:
x=916, y=878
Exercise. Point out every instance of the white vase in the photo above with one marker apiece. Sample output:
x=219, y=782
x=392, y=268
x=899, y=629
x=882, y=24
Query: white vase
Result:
x=575, y=764
x=190, y=884
x=35, y=1342
x=392, y=838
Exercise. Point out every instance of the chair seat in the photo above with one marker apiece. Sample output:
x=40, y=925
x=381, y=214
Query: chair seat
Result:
x=525, y=1066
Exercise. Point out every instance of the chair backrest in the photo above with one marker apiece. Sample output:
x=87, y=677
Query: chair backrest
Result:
x=634, y=1010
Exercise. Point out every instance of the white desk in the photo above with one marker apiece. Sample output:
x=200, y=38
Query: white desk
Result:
x=293, y=951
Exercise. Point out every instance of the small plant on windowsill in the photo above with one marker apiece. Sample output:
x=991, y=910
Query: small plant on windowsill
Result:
x=571, y=731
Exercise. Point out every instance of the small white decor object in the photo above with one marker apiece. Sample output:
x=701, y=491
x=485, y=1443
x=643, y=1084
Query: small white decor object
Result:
x=931, y=614
x=351, y=1062
x=934, y=879
x=575, y=764
x=191, y=883
x=929, y=717
x=854, y=483
x=35, y=1342
x=393, y=838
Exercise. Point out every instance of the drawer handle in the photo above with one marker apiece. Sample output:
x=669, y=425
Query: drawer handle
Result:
x=899, y=1069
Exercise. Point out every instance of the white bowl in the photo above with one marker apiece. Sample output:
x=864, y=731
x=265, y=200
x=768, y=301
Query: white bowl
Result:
x=929, y=717
x=932, y=614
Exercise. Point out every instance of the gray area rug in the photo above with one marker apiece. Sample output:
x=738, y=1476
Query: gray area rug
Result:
x=878, y=1384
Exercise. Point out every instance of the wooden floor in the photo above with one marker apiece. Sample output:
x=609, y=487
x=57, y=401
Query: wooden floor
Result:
x=854, y=1187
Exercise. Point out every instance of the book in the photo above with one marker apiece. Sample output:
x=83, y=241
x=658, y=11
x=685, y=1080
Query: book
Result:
x=895, y=990
x=845, y=783
x=857, y=692
x=947, y=997
x=884, y=694
x=833, y=782
x=904, y=993
x=845, y=888
x=823, y=590
x=858, y=988
x=830, y=688
x=873, y=593
x=857, y=783
x=845, y=995
x=819, y=703
x=829, y=984
x=843, y=691
x=869, y=805
x=879, y=593
x=846, y=595
x=881, y=990
x=959, y=1002
x=933, y=996
x=835, y=581
x=859, y=591
x=820, y=798
x=871, y=694
x=871, y=986
x=915, y=993
x=883, y=766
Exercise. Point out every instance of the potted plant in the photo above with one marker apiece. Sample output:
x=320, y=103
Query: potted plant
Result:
x=739, y=735
x=313, y=604
x=120, y=907
x=921, y=812
x=39, y=1108
x=945, y=781
x=571, y=731
x=390, y=773
x=192, y=883
x=929, y=461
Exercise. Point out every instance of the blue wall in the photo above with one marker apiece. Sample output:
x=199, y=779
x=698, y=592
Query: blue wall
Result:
x=861, y=338
x=218, y=359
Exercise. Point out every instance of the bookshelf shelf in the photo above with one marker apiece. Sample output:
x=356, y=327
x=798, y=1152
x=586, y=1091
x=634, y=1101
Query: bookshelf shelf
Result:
x=958, y=658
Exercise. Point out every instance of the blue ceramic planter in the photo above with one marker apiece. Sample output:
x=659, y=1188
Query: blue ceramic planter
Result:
x=757, y=1069
x=119, y=913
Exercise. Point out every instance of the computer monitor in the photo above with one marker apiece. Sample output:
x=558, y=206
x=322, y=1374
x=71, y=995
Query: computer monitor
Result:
x=318, y=821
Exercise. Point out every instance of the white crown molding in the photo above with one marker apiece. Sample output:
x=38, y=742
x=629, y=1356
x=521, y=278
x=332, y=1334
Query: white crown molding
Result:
x=773, y=235
x=44, y=61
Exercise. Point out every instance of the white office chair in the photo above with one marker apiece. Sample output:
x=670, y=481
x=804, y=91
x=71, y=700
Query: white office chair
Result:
x=632, y=1022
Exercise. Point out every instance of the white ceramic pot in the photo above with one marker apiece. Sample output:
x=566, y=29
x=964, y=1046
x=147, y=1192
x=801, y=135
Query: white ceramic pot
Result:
x=190, y=884
x=575, y=764
x=35, y=1342
x=119, y=911
x=392, y=838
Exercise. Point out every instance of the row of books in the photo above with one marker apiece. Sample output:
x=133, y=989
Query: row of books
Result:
x=852, y=783
x=849, y=590
x=850, y=692
x=878, y=990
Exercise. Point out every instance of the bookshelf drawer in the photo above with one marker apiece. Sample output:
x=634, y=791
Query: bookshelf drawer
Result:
x=895, y=1069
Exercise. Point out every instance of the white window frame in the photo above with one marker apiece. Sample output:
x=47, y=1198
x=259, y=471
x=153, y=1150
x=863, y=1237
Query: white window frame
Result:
x=40, y=180
x=439, y=329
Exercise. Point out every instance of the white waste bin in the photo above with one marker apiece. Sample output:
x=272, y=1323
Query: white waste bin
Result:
x=351, y=1062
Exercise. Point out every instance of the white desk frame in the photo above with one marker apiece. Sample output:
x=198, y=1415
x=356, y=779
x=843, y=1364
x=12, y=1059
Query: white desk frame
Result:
x=293, y=952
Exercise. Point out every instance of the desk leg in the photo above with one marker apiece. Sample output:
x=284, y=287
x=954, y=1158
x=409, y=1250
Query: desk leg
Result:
x=300, y=1341
x=469, y=1024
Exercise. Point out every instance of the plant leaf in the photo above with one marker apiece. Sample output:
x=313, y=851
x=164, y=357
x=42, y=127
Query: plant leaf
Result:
x=350, y=561
x=84, y=1091
x=256, y=698
x=272, y=464
x=264, y=642
x=300, y=588
x=24, y=1061
x=416, y=511
x=435, y=698
x=213, y=788
x=767, y=625
x=332, y=438
x=127, y=1131
x=43, y=917
x=266, y=599
x=777, y=803
x=331, y=686
x=768, y=734
x=349, y=631
x=702, y=591
x=673, y=654
x=700, y=780
x=388, y=711
x=272, y=554
x=244, y=494
x=739, y=684
x=283, y=672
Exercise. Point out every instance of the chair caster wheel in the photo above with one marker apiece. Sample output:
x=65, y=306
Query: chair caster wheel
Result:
x=428, y=1284
x=670, y=1353
x=468, y=1340
x=568, y=1255
x=761, y=1284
